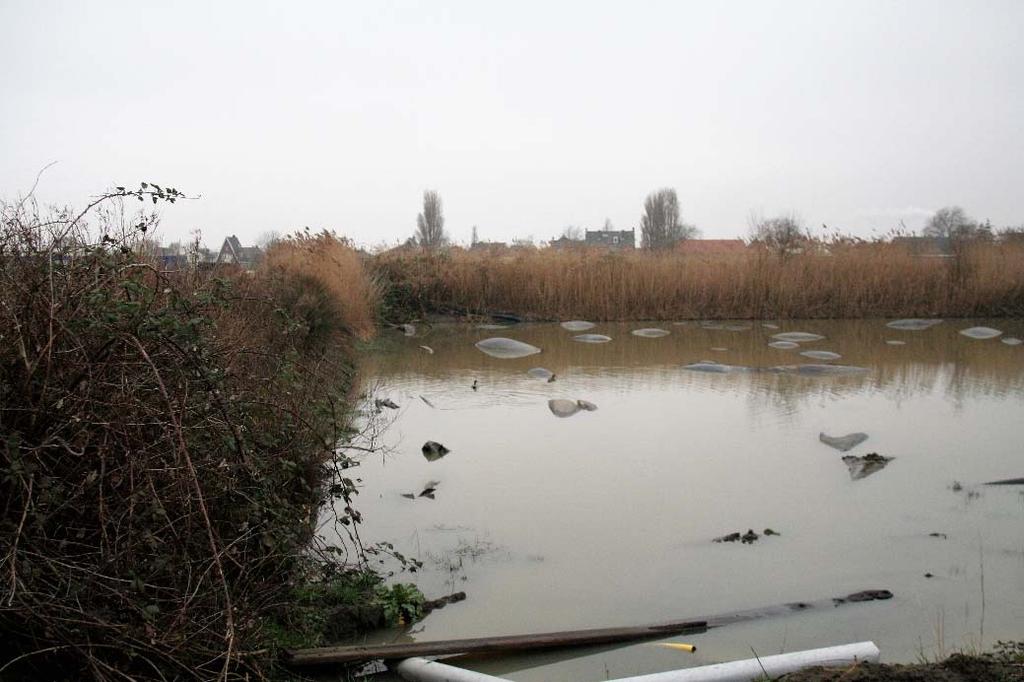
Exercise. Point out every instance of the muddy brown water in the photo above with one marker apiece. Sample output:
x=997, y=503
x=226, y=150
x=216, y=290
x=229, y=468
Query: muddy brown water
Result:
x=607, y=517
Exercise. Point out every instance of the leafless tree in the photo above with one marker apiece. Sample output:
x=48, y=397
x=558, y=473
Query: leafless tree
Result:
x=950, y=222
x=474, y=239
x=573, y=232
x=430, y=223
x=660, y=225
x=782, y=234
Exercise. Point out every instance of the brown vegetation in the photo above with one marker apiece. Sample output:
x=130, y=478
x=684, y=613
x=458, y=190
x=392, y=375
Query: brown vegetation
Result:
x=834, y=281
x=167, y=442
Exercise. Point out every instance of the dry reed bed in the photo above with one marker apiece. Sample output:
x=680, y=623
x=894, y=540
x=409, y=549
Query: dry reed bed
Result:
x=852, y=281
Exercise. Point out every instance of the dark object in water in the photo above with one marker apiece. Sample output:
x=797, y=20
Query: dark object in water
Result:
x=409, y=496
x=929, y=575
x=749, y=537
x=1007, y=481
x=938, y=535
x=441, y=602
x=506, y=317
x=385, y=402
x=434, y=451
x=474, y=384
x=862, y=467
x=769, y=531
x=843, y=443
x=866, y=595
x=731, y=537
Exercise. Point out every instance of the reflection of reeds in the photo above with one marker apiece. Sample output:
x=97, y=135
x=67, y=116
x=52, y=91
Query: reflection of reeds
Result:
x=867, y=280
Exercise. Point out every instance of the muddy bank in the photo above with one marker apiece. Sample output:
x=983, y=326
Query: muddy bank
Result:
x=956, y=668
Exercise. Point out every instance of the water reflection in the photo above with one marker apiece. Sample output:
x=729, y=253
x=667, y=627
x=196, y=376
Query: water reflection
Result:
x=608, y=518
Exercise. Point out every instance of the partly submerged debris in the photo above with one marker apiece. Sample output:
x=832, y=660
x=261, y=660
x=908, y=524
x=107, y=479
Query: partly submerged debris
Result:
x=475, y=385
x=797, y=337
x=769, y=325
x=385, y=402
x=1011, y=341
x=408, y=329
x=562, y=407
x=577, y=325
x=441, y=602
x=434, y=451
x=981, y=332
x=843, y=443
x=429, y=404
x=714, y=367
x=824, y=355
x=506, y=349
x=895, y=342
x=592, y=338
x=866, y=595
x=493, y=326
x=719, y=349
x=429, y=488
x=783, y=345
x=650, y=332
x=1007, y=481
x=862, y=467
x=748, y=538
x=428, y=349
x=541, y=373
x=912, y=324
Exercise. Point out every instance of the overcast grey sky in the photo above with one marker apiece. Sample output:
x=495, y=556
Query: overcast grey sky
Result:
x=525, y=116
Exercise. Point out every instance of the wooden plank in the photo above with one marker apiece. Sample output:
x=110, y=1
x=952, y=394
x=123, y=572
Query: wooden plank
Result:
x=479, y=645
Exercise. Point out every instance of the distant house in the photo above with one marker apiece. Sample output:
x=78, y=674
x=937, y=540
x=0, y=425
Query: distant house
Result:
x=565, y=243
x=232, y=251
x=706, y=247
x=611, y=239
x=926, y=246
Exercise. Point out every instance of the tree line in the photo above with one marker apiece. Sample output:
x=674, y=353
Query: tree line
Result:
x=662, y=226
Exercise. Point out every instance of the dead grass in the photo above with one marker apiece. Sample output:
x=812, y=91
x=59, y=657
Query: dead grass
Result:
x=846, y=281
x=337, y=268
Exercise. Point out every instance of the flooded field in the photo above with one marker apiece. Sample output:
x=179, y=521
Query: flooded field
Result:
x=594, y=499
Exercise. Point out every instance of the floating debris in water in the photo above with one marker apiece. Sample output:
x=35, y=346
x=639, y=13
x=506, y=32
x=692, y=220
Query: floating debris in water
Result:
x=748, y=538
x=429, y=488
x=821, y=355
x=797, y=337
x=541, y=373
x=385, y=402
x=1007, y=481
x=714, y=367
x=577, y=325
x=1011, y=341
x=434, y=451
x=506, y=349
x=720, y=349
x=408, y=329
x=942, y=536
x=843, y=443
x=650, y=333
x=769, y=325
x=475, y=385
x=429, y=404
x=592, y=338
x=493, y=326
x=560, y=407
x=981, y=332
x=913, y=324
x=428, y=349
x=783, y=345
x=866, y=595
x=895, y=342
x=814, y=369
x=862, y=467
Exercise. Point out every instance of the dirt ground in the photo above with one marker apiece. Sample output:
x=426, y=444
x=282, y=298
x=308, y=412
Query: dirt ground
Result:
x=956, y=668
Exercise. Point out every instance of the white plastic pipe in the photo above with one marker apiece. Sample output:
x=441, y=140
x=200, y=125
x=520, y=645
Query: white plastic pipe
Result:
x=774, y=666
x=422, y=670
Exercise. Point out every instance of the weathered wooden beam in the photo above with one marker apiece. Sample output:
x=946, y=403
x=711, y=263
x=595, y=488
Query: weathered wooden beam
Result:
x=480, y=645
